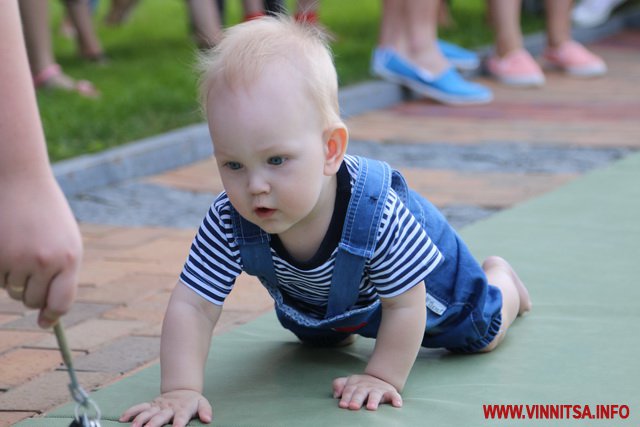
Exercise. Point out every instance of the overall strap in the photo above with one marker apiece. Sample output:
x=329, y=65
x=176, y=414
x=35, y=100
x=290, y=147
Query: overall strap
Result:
x=359, y=233
x=254, y=247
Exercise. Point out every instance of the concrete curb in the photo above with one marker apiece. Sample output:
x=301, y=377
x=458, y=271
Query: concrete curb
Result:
x=187, y=145
x=140, y=158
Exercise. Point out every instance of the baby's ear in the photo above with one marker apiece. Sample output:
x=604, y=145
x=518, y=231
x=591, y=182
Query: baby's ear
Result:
x=335, y=146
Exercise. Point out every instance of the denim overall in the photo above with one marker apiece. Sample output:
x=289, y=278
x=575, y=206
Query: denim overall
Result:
x=463, y=311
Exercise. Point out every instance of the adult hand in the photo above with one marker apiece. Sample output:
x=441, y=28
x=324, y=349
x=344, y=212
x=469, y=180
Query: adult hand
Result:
x=179, y=405
x=41, y=247
x=355, y=390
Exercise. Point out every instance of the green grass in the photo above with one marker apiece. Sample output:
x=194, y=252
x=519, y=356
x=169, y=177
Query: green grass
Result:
x=148, y=87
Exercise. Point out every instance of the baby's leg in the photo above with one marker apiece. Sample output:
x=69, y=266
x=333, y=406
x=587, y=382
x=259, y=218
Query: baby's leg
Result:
x=515, y=297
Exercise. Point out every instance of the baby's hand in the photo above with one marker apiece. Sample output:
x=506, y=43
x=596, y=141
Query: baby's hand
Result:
x=353, y=391
x=179, y=405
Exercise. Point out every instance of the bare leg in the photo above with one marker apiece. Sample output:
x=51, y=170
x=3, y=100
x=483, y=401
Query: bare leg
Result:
x=252, y=9
x=206, y=22
x=37, y=35
x=515, y=297
x=80, y=13
x=445, y=20
x=119, y=11
x=410, y=28
x=558, y=21
x=505, y=18
x=562, y=51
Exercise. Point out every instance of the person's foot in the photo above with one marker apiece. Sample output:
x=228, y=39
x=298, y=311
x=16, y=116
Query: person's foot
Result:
x=575, y=59
x=523, y=294
x=517, y=68
x=591, y=13
x=463, y=59
x=447, y=87
x=52, y=77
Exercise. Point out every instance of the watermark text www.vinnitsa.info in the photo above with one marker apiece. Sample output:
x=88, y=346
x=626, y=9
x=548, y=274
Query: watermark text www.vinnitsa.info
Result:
x=556, y=412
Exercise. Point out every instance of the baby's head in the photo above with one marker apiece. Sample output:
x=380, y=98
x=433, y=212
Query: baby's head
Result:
x=299, y=52
x=270, y=93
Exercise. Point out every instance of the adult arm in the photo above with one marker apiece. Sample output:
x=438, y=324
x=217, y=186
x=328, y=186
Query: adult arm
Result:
x=41, y=246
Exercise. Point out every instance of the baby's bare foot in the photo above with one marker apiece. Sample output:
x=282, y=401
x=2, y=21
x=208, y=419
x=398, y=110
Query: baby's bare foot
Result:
x=523, y=293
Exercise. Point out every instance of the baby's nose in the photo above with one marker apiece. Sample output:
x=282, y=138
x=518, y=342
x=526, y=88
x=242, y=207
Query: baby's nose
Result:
x=258, y=184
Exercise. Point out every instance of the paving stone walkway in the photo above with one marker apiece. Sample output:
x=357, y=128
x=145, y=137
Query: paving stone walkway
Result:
x=471, y=162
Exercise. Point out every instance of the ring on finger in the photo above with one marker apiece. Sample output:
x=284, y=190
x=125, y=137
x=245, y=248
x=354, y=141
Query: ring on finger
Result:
x=16, y=291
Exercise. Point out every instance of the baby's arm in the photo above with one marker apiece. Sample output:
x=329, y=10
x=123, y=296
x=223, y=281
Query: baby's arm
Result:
x=186, y=336
x=399, y=338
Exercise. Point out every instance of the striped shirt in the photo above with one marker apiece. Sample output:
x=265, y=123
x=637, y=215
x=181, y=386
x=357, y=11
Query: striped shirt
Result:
x=403, y=257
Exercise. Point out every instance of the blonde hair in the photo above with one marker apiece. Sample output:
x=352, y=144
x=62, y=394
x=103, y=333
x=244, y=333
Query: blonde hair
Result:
x=248, y=48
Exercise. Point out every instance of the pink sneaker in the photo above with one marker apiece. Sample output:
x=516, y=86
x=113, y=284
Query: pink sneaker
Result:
x=517, y=68
x=573, y=58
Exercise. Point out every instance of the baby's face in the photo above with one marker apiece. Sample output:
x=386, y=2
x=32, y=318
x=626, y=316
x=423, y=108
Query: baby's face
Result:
x=268, y=144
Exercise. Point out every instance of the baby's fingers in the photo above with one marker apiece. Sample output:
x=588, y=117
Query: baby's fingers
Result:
x=392, y=397
x=205, y=412
x=160, y=418
x=133, y=411
x=374, y=400
x=354, y=400
x=338, y=386
x=183, y=416
x=144, y=418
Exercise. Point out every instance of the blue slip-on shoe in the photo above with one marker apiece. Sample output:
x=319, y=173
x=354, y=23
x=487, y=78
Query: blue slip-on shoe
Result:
x=448, y=88
x=463, y=59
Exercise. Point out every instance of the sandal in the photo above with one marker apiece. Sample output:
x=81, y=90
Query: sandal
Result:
x=53, y=77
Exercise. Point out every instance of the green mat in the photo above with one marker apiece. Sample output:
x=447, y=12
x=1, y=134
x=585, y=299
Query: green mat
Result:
x=577, y=250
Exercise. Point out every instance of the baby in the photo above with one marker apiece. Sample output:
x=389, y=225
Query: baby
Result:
x=339, y=241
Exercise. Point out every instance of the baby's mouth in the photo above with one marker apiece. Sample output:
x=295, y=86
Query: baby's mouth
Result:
x=264, y=212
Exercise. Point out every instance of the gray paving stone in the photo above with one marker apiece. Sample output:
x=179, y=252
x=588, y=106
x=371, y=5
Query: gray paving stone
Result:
x=140, y=204
x=490, y=157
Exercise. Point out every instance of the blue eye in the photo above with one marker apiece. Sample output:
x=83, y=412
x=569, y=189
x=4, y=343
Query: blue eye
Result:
x=276, y=160
x=233, y=165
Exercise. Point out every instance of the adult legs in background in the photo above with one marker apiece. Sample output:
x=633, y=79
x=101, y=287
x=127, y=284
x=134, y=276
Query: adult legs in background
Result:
x=511, y=64
x=409, y=54
x=206, y=22
x=410, y=28
x=253, y=9
x=119, y=11
x=89, y=45
x=37, y=34
x=562, y=51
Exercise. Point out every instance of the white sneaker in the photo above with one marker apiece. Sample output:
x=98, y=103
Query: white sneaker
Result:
x=591, y=13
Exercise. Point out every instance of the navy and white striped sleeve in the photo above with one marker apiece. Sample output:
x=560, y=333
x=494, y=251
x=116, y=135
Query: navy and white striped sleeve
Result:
x=404, y=255
x=214, y=259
